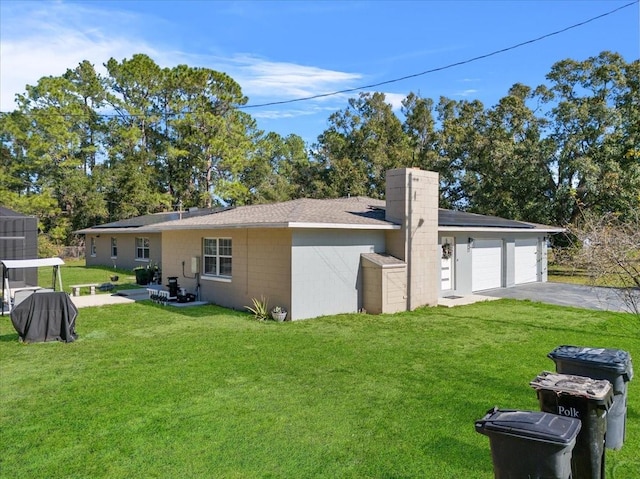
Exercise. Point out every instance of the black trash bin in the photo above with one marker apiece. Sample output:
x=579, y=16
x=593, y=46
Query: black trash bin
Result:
x=142, y=276
x=585, y=399
x=615, y=366
x=173, y=287
x=529, y=444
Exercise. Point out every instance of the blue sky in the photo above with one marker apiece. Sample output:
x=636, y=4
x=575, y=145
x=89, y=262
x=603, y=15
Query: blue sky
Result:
x=284, y=50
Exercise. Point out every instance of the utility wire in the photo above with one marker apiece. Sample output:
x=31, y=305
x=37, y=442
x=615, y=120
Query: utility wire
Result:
x=395, y=80
x=446, y=67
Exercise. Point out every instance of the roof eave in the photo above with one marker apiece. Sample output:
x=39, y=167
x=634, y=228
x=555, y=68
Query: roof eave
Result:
x=303, y=225
x=348, y=226
x=98, y=231
x=476, y=229
x=291, y=225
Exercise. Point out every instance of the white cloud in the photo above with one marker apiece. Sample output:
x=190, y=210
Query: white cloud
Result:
x=395, y=99
x=293, y=110
x=49, y=38
x=468, y=92
x=279, y=114
x=42, y=39
x=281, y=80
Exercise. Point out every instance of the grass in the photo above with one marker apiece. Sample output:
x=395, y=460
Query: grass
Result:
x=75, y=272
x=565, y=272
x=568, y=274
x=575, y=275
x=150, y=391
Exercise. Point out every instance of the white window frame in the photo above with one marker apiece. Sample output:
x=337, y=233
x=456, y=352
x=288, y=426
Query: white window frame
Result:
x=114, y=247
x=92, y=247
x=144, y=246
x=223, y=250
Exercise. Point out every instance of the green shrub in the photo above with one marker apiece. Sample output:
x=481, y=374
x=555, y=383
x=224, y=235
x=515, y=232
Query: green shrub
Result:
x=47, y=249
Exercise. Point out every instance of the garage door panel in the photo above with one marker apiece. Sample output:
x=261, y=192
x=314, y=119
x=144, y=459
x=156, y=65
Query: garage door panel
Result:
x=486, y=264
x=526, y=261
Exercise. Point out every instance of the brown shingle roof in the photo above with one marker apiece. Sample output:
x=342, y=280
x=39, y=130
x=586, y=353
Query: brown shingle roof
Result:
x=135, y=224
x=356, y=212
x=346, y=213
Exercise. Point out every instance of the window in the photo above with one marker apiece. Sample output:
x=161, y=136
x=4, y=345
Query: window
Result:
x=217, y=256
x=142, y=248
x=114, y=247
x=93, y=246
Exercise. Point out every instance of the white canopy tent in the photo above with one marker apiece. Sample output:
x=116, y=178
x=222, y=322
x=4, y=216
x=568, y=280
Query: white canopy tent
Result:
x=8, y=264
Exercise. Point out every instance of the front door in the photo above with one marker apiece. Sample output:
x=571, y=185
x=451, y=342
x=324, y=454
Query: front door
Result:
x=447, y=247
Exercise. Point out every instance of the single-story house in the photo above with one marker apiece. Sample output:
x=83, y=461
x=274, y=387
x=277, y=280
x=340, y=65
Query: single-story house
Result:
x=318, y=257
x=18, y=241
x=127, y=244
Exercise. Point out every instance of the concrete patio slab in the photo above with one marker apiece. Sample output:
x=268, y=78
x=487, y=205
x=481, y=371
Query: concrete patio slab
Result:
x=124, y=297
x=121, y=297
x=99, y=300
x=451, y=301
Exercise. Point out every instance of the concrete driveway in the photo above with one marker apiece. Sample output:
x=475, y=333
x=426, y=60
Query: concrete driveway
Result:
x=563, y=294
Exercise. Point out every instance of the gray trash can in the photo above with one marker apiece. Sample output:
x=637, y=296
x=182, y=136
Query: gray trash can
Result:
x=615, y=366
x=529, y=444
x=585, y=399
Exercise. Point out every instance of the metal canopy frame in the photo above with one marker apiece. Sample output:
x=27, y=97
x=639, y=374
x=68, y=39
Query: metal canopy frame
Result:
x=9, y=264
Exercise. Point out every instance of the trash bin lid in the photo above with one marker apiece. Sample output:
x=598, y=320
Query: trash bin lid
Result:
x=597, y=391
x=541, y=426
x=615, y=360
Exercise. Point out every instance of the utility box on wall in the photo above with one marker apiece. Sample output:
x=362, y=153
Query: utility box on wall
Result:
x=195, y=264
x=19, y=240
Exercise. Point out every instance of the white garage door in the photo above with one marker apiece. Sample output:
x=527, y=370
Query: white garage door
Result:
x=486, y=264
x=526, y=261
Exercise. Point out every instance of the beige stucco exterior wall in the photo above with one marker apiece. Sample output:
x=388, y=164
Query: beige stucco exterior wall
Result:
x=412, y=200
x=269, y=266
x=371, y=287
x=126, y=258
x=261, y=266
x=394, y=289
x=181, y=246
x=423, y=264
x=384, y=287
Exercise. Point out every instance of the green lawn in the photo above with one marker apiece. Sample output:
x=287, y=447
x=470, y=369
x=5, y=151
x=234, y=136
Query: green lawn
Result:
x=567, y=274
x=562, y=273
x=151, y=391
x=75, y=272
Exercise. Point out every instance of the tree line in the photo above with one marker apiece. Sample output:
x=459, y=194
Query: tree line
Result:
x=83, y=148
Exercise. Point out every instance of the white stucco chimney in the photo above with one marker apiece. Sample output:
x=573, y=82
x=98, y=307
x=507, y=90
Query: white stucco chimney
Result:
x=412, y=201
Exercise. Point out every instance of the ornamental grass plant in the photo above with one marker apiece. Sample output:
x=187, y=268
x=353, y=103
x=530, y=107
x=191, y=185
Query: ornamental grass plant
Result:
x=205, y=392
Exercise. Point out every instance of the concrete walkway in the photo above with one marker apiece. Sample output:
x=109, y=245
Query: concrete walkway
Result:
x=451, y=301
